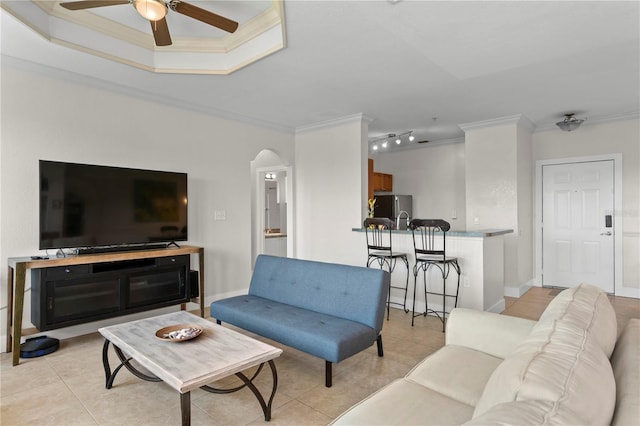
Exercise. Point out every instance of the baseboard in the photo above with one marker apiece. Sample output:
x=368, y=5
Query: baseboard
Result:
x=628, y=292
x=219, y=296
x=518, y=291
x=497, y=308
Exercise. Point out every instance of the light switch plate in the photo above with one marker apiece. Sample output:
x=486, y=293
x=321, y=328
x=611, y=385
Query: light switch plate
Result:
x=219, y=215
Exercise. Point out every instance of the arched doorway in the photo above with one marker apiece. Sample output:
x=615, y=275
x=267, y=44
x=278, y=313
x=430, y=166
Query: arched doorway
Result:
x=272, y=206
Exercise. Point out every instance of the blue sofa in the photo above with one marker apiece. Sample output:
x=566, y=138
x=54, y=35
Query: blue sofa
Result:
x=327, y=310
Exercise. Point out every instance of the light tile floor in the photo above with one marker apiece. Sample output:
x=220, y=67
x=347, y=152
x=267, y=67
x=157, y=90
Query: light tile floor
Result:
x=67, y=387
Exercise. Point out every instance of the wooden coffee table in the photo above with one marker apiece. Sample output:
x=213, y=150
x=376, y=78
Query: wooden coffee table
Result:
x=216, y=353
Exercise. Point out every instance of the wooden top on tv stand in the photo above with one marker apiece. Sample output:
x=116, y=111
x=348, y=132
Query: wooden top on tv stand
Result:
x=84, y=259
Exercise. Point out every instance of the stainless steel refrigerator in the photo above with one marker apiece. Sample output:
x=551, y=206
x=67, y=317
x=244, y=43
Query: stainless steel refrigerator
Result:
x=391, y=205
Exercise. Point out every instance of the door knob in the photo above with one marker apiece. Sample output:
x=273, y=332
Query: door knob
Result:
x=606, y=233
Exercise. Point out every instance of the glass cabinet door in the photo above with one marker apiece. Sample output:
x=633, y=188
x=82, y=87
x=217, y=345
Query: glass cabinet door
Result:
x=157, y=286
x=77, y=299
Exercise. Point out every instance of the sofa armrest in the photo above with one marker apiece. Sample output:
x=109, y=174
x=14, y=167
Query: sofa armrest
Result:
x=494, y=334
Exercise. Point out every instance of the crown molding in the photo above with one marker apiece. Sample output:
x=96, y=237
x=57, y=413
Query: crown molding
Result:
x=360, y=117
x=518, y=119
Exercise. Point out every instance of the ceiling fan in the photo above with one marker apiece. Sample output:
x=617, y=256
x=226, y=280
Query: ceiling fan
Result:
x=155, y=11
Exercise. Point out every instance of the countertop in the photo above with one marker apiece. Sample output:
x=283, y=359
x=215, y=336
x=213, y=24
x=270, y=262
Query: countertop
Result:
x=475, y=233
x=274, y=235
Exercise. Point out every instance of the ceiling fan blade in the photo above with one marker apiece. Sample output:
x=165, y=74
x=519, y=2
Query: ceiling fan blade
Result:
x=79, y=5
x=203, y=15
x=161, y=32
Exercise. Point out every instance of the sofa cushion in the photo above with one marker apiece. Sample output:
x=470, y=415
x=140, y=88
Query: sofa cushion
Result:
x=325, y=336
x=496, y=335
x=553, y=374
x=351, y=292
x=587, y=307
x=625, y=362
x=404, y=402
x=561, y=361
x=531, y=412
x=455, y=371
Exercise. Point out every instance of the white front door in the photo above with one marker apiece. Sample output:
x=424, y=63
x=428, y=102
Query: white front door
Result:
x=577, y=224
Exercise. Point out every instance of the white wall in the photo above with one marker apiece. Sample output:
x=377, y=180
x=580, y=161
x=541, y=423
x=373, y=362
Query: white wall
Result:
x=434, y=175
x=525, y=206
x=500, y=191
x=621, y=136
x=57, y=119
x=493, y=156
x=491, y=177
x=330, y=193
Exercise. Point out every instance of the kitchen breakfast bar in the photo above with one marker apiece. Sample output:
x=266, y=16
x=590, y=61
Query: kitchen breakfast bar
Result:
x=480, y=255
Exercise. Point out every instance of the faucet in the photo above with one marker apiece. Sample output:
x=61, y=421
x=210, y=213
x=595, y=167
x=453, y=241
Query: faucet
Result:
x=398, y=219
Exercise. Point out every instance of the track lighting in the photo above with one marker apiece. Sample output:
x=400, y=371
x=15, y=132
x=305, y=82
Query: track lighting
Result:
x=397, y=138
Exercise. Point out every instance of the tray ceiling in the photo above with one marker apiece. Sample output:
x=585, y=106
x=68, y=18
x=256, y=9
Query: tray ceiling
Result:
x=119, y=33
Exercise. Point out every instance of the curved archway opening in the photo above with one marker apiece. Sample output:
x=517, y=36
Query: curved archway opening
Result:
x=271, y=206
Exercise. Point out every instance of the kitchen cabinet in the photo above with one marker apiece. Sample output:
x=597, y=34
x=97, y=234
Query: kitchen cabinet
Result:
x=370, y=180
x=381, y=182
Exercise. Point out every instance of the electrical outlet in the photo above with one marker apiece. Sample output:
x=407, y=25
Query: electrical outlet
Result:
x=465, y=281
x=476, y=221
x=454, y=214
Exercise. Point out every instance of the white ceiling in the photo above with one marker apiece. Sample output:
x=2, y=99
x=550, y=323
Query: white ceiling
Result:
x=402, y=63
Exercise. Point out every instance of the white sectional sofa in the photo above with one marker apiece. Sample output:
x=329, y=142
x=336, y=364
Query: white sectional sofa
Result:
x=566, y=368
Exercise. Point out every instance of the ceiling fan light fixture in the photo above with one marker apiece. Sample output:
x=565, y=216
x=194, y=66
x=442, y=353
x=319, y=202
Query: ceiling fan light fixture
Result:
x=153, y=10
x=569, y=123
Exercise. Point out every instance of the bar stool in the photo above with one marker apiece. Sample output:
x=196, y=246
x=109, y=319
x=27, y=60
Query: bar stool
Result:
x=429, y=253
x=379, y=249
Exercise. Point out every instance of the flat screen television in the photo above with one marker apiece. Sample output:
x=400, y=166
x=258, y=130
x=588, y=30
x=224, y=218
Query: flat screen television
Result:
x=91, y=206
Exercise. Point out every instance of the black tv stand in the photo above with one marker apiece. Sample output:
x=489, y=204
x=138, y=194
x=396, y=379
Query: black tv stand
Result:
x=68, y=295
x=105, y=263
x=115, y=249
